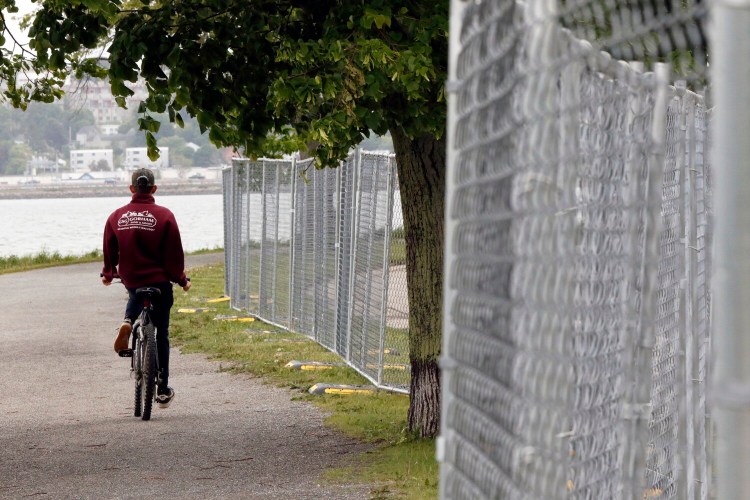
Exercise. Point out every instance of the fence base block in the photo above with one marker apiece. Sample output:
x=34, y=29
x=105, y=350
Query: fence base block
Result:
x=220, y=299
x=312, y=365
x=193, y=310
x=342, y=389
x=243, y=319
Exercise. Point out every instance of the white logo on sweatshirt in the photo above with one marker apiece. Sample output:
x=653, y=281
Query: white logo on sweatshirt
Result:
x=137, y=220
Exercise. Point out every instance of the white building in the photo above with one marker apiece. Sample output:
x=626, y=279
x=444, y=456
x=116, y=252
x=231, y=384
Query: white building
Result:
x=109, y=129
x=89, y=159
x=138, y=158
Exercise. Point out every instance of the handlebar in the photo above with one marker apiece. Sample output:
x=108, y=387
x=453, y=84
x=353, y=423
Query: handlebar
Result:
x=101, y=275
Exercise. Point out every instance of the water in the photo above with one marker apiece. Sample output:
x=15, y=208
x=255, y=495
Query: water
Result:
x=253, y=206
x=73, y=226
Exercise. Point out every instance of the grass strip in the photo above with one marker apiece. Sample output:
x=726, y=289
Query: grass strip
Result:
x=15, y=264
x=398, y=466
x=42, y=259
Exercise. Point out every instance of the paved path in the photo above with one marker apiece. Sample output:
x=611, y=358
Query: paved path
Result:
x=66, y=402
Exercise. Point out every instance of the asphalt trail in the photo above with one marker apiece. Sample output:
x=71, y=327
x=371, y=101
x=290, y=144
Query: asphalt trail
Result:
x=66, y=402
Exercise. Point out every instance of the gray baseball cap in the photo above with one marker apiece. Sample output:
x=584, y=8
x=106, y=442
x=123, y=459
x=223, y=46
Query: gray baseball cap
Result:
x=143, y=177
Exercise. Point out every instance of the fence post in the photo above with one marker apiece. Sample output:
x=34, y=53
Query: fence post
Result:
x=339, y=197
x=292, y=229
x=374, y=178
x=274, y=271
x=316, y=237
x=262, y=294
x=447, y=365
x=228, y=213
x=730, y=72
x=354, y=247
x=645, y=334
x=688, y=106
x=386, y=266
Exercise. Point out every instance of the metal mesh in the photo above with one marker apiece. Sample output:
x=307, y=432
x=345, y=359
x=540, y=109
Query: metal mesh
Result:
x=678, y=448
x=236, y=222
x=643, y=30
x=303, y=266
x=311, y=251
x=347, y=199
x=572, y=367
x=700, y=300
x=326, y=214
x=370, y=273
x=275, y=254
x=251, y=236
x=661, y=467
x=228, y=208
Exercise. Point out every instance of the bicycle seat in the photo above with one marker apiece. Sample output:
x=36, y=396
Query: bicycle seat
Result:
x=147, y=291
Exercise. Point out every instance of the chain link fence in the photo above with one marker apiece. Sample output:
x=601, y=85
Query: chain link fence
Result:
x=322, y=253
x=577, y=325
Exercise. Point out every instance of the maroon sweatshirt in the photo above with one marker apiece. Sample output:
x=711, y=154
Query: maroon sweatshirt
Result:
x=142, y=244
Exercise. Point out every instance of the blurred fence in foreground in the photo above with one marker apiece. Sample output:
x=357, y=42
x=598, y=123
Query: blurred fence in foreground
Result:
x=576, y=302
x=322, y=253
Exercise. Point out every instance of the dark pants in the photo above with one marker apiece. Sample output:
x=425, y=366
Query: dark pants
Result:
x=160, y=317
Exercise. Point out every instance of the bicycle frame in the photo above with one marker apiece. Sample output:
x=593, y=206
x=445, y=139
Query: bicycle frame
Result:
x=144, y=318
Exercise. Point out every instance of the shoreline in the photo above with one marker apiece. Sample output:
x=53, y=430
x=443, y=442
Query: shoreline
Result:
x=41, y=191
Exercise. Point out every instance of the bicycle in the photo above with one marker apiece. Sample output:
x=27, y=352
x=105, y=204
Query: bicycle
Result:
x=144, y=364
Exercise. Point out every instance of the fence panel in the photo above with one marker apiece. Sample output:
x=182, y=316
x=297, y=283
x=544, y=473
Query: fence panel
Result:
x=576, y=326
x=303, y=265
x=327, y=205
x=314, y=257
x=251, y=233
x=370, y=269
x=275, y=240
x=347, y=197
x=240, y=244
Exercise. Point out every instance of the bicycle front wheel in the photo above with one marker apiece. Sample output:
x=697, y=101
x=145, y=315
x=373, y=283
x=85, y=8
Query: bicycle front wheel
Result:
x=149, y=369
x=137, y=366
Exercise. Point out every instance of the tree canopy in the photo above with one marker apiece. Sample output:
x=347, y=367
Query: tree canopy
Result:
x=317, y=73
x=332, y=70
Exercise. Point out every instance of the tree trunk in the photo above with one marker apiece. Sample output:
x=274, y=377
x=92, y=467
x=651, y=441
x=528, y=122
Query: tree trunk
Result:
x=421, y=174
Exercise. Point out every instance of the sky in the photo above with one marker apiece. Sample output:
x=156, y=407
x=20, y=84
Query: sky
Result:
x=24, y=7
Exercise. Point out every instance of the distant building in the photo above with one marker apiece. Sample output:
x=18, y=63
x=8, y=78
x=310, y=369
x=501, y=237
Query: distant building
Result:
x=90, y=159
x=138, y=158
x=41, y=164
x=96, y=95
x=110, y=129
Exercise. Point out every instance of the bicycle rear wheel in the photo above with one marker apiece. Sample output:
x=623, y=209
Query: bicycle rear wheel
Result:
x=137, y=361
x=149, y=369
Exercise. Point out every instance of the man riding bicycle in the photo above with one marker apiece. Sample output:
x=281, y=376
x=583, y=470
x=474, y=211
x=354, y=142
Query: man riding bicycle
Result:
x=142, y=246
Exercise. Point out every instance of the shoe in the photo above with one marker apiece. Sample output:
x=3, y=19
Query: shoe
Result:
x=123, y=335
x=165, y=399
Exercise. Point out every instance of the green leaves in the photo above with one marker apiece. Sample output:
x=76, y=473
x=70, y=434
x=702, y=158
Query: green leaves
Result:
x=151, y=149
x=329, y=73
x=149, y=124
x=379, y=19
